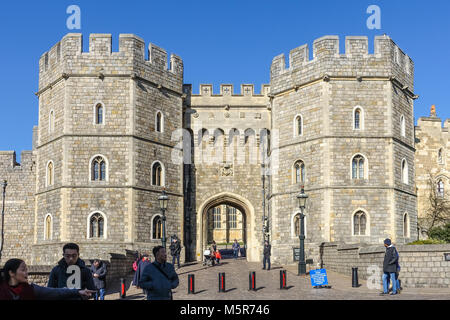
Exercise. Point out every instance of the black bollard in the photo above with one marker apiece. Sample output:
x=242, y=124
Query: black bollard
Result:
x=355, y=278
x=191, y=284
x=283, y=279
x=123, y=292
x=221, y=281
x=252, y=281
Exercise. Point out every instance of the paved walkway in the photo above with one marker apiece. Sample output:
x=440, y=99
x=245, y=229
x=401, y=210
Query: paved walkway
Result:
x=268, y=284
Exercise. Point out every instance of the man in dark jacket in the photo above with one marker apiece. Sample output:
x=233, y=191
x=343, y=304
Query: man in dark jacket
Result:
x=175, y=250
x=98, y=271
x=71, y=271
x=159, y=278
x=389, y=267
x=266, y=252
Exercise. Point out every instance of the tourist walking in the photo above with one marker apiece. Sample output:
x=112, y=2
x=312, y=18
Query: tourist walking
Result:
x=398, y=271
x=389, y=267
x=215, y=253
x=236, y=247
x=98, y=271
x=266, y=252
x=14, y=286
x=175, y=250
x=145, y=261
x=78, y=275
x=159, y=277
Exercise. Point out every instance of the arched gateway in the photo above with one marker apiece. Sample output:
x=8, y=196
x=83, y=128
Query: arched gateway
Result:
x=248, y=220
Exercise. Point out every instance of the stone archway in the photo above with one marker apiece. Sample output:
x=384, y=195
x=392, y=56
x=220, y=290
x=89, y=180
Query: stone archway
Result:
x=248, y=219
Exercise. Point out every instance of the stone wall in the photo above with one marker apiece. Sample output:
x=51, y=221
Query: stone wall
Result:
x=19, y=204
x=431, y=137
x=422, y=266
x=118, y=266
x=325, y=92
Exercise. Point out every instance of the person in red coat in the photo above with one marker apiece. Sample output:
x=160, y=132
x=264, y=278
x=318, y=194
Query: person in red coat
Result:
x=14, y=286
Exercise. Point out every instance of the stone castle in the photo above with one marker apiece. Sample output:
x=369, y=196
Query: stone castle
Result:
x=116, y=128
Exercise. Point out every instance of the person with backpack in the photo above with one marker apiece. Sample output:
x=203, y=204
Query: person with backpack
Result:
x=69, y=268
x=175, y=250
x=159, y=277
x=145, y=261
x=98, y=270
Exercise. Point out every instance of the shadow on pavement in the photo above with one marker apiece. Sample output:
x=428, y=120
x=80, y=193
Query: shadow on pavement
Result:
x=275, y=268
x=197, y=292
x=136, y=297
x=287, y=288
x=257, y=289
x=114, y=286
x=226, y=291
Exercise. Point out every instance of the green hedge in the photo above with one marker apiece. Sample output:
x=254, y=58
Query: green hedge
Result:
x=441, y=233
x=428, y=241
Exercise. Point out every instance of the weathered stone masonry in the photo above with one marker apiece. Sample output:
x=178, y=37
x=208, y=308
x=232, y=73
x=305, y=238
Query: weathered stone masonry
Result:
x=325, y=91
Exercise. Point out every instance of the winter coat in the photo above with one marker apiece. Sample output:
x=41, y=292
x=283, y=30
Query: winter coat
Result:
x=58, y=276
x=175, y=248
x=100, y=282
x=235, y=246
x=390, y=260
x=157, y=285
x=25, y=291
x=267, y=250
x=139, y=271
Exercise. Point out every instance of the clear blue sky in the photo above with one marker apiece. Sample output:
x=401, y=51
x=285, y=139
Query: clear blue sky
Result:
x=230, y=41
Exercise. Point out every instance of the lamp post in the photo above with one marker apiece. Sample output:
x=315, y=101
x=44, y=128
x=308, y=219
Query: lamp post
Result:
x=3, y=217
x=301, y=198
x=163, y=199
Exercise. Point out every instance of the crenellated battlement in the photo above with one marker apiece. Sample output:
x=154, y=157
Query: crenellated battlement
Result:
x=8, y=159
x=432, y=122
x=67, y=58
x=388, y=60
x=206, y=90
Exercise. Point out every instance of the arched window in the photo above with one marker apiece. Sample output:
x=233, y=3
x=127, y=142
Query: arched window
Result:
x=50, y=173
x=159, y=122
x=358, y=167
x=96, y=226
x=157, y=227
x=440, y=188
x=440, y=156
x=48, y=227
x=296, y=224
x=98, y=169
x=405, y=225
x=403, y=126
x=298, y=126
x=249, y=133
x=358, y=118
x=359, y=223
x=299, y=172
x=404, y=171
x=51, y=121
x=157, y=174
x=99, y=114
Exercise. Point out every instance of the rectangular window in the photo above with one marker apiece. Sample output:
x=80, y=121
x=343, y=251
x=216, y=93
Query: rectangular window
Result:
x=232, y=218
x=217, y=218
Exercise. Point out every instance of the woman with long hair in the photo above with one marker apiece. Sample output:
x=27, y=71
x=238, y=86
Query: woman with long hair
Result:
x=14, y=286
